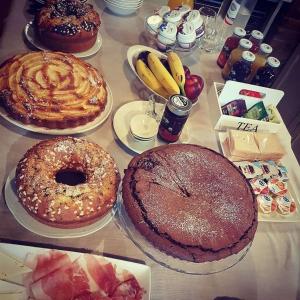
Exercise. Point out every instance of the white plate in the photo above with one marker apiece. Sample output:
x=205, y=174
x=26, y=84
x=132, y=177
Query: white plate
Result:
x=79, y=129
x=121, y=124
x=39, y=228
x=132, y=55
x=273, y=217
x=32, y=38
x=141, y=272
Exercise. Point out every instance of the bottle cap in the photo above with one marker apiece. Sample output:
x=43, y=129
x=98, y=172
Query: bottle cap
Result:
x=239, y=31
x=245, y=43
x=248, y=56
x=273, y=62
x=179, y=105
x=257, y=34
x=265, y=48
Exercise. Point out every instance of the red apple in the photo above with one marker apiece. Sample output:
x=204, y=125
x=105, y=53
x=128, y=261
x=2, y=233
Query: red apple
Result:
x=193, y=87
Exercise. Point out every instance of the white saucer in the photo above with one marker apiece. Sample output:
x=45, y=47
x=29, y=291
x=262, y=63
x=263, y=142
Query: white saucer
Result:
x=31, y=37
x=67, y=131
x=39, y=228
x=121, y=124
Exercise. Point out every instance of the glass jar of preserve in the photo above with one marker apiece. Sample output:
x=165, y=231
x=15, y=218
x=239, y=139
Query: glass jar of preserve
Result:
x=230, y=44
x=241, y=70
x=260, y=59
x=256, y=38
x=266, y=75
x=175, y=115
x=235, y=56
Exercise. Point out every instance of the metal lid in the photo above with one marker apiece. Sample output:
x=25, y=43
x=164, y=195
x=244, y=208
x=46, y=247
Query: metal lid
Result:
x=245, y=43
x=257, y=34
x=179, y=105
x=248, y=56
x=265, y=48
x=273, y=62
x=239, y=31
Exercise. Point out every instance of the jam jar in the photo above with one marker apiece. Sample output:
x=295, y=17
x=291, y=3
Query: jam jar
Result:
x=175, y=115
x=241, y=70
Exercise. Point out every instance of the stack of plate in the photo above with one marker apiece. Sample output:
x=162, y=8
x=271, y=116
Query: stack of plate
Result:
x=143, y=128
x=123, y=7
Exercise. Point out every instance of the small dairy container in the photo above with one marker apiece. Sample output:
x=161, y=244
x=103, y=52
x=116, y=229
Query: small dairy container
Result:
x=174, y=16
x=183, y=9
x=153, y=23
x=166, y=36
x=163, y=10
x=186, y=35
x=195, y=17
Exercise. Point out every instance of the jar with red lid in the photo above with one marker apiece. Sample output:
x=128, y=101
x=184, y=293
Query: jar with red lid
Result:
x=230, y=44
x=175, y=115
x=256, y=38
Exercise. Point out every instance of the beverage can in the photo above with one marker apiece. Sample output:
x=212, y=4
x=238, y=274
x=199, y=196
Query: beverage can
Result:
x=175, y=115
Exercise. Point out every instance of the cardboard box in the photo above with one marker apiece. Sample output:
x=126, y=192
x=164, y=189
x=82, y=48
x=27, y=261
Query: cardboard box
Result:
x=221, y=94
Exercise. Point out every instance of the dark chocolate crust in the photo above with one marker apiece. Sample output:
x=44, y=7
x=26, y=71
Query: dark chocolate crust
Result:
x=190, y=202
x=68, y=26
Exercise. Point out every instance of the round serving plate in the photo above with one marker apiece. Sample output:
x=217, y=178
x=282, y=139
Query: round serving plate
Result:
x=39, y=228
x=32, y=38
x=121, y=125
x=124, y=222
x=67, y=131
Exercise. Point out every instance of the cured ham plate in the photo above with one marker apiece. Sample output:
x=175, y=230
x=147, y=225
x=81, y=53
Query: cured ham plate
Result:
x=55, y=274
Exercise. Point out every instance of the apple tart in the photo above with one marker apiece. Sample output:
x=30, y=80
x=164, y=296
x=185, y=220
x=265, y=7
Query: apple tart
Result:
x=51, y=89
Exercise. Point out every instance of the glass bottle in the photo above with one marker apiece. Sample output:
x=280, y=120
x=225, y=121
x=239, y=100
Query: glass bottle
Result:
x=235, y=55
x=266, y=75
x=256, y=38
x=230, y=44
x=260, y=60
x=175, y=3
x=241, y=69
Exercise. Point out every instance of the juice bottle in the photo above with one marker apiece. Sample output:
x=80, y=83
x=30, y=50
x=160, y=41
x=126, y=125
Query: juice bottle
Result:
x=266, y=75
x=242, y=68
x=175, y=3
x=256, y=39
x=230, y=44
x=235, y=55
x=260, y=60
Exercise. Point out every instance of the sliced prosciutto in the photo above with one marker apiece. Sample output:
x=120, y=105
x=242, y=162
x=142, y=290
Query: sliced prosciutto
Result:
x=103, y=272
x=45, y=263
x=59, y=276
x=66, y=283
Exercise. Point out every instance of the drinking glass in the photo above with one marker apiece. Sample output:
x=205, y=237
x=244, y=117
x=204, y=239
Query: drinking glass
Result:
x=209, y=16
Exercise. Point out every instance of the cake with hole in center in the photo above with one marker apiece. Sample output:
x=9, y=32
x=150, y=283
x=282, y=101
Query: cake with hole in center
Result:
x=67, y=182
x=52, y=89
x=190, y=202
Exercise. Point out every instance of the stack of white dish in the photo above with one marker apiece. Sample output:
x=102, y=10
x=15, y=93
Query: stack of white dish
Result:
x=143, y=128
x=123, y=7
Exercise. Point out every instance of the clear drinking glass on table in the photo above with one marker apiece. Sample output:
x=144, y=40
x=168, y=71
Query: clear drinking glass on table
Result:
x=209, y=16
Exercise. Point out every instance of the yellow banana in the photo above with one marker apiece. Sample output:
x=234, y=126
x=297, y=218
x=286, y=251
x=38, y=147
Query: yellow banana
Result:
x=176, y=69
x=149, y=79
x=162, y=75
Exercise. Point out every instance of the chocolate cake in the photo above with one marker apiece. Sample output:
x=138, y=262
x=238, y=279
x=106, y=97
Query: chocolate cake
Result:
x=67, y=25
x=190, y=202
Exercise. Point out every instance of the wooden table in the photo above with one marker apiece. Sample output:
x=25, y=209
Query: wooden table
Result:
x=271, y=270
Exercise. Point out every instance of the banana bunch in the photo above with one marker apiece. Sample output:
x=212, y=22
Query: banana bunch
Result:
x=156, y=76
